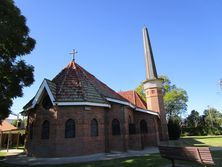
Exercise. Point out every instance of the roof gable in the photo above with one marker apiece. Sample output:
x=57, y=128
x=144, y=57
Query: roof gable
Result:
x=75, y=86
x=47, y=86
x=134, y=98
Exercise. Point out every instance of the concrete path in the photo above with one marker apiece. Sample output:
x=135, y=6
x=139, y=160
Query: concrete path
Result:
x=21, y=159
x=24, y=160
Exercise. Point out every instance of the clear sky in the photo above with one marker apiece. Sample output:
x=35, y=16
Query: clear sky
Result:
x=186, y=37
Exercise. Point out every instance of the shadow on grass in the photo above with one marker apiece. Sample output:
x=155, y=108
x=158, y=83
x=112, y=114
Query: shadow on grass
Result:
x=142, y=161
x=201, y=141
x=183, y=142
x=203, y=137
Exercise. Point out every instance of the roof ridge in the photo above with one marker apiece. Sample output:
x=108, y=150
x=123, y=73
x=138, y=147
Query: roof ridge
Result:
x=63, y=80
x=103, y=84
x=84, y=72
x=134, y=96
x=77, y=74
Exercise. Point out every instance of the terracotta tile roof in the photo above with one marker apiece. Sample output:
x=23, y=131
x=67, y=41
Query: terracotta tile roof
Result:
x=5, y=125
x=52, y=87
x=133, y=97
x=75, y=84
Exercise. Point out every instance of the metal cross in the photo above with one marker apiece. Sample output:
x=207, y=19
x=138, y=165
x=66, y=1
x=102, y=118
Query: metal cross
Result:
x=73, y=53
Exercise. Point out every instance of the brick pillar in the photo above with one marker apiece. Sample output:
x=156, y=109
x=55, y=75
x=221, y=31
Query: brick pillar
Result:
x=154, y=97
x=124, y=129
x=106, y=129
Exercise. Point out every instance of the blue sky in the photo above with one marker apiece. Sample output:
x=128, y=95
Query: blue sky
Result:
x=186, y=38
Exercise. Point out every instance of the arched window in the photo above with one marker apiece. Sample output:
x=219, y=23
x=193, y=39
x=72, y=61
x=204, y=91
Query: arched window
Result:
x=45, y=130
x=31, y=131
x=94, y=127
x=143, y=126
x=70, y=129
x=115, y=127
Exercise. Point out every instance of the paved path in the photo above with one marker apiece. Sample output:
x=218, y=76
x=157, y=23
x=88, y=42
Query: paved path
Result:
x=24, y=160
x=21, y=159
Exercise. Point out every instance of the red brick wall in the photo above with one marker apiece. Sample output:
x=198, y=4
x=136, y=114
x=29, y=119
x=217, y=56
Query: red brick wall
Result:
x=83, y=143
x=135, y=142
x=57, y=144
x=150, y=138
x=117, y=143
x=37, y=146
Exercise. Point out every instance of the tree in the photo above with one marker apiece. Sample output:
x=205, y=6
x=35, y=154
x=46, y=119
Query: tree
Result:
x=193, y=119
x=175, y=99
x=212, y=121
x=174, y=129
x=193, y=123
x=14, y=43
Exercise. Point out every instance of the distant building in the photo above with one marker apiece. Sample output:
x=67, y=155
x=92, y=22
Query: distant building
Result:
x=77, y=114
x=6, y=126
x=10, y=135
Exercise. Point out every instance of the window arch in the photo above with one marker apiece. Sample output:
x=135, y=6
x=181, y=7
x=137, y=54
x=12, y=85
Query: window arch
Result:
x=31, y=131
x=45, y=130
x=115, y=127
x=70, y=128
x=94, y=127
x=143, y=126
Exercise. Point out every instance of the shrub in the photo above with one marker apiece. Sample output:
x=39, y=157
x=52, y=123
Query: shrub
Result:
x=174, y=129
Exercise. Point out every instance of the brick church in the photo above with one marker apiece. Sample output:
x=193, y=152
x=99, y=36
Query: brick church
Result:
x=77, y=114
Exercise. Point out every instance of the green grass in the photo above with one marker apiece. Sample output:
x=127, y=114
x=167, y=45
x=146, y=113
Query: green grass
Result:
x=208, y=141
x=152, y=159
x=2, y=155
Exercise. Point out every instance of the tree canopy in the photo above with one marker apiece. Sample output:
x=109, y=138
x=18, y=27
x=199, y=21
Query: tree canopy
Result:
x=15, y=42
x=210, y=123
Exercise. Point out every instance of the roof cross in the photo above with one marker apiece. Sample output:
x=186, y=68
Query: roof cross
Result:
x=73, y=53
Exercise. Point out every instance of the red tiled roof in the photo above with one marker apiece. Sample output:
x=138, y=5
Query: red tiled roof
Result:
x=133, y=97
x=74, y=83
x=5, y=126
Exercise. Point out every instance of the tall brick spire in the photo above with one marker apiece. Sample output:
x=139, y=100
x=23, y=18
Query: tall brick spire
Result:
x=151, y=72
x=153, y=87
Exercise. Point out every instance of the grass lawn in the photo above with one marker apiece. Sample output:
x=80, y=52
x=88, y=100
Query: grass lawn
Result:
x=2, y=155
x=209, y=141
x=152, y=159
